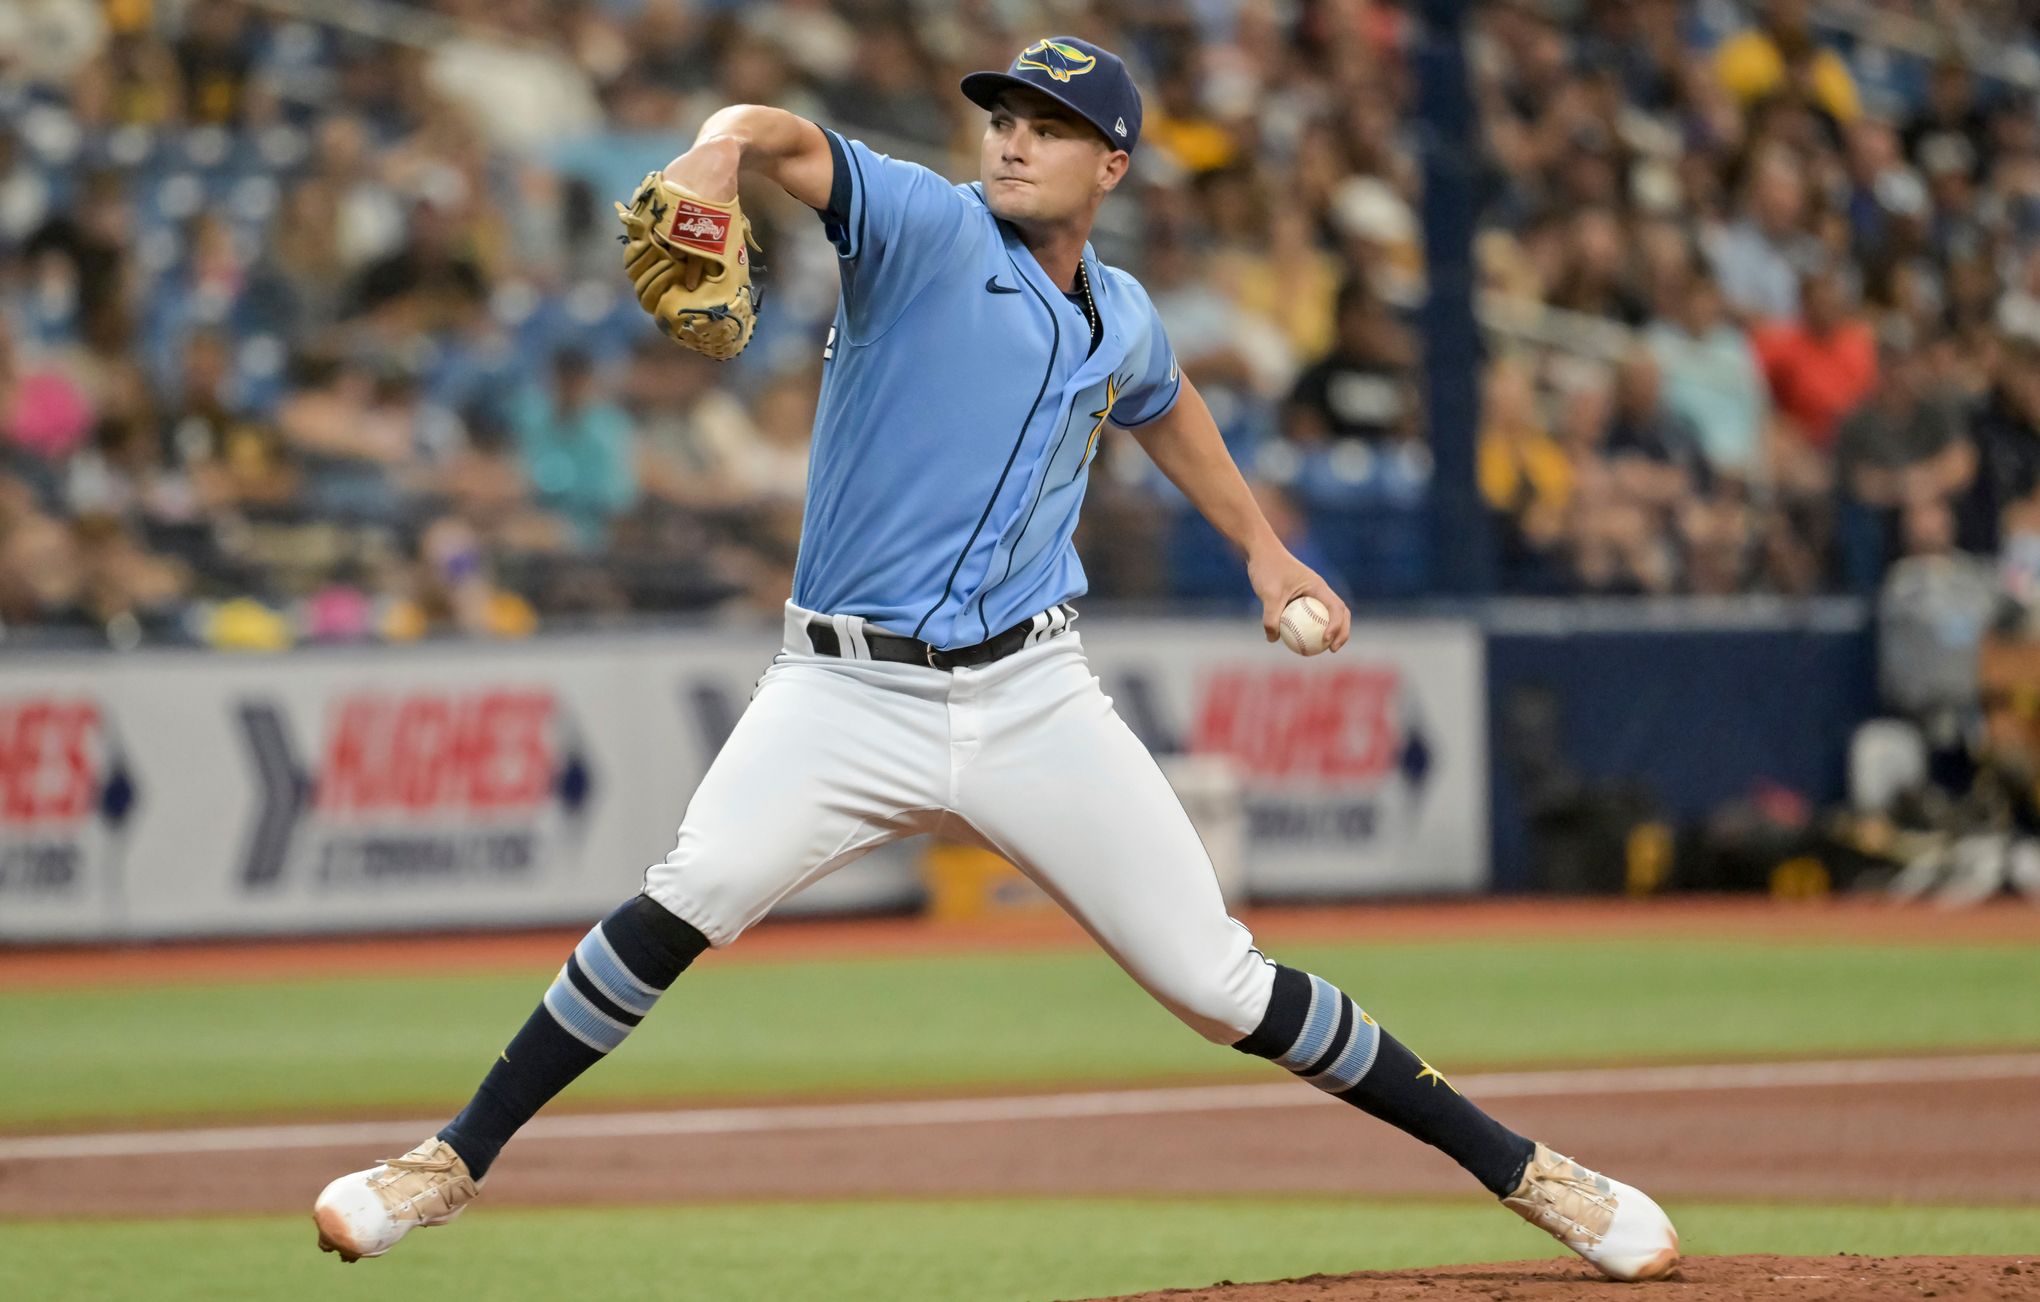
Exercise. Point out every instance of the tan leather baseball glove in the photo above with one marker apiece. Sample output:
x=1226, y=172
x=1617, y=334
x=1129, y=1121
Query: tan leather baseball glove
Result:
x=689, y=260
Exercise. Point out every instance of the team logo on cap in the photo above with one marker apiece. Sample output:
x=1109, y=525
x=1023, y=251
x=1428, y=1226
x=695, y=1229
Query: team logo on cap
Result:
x=1058, y=60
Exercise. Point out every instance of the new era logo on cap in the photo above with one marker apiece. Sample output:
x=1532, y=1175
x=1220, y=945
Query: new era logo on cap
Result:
x=1120, y=128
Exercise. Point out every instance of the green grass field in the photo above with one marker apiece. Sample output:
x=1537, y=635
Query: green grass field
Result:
x=99, y=1057
x=993, y=1251
x=124, y=1055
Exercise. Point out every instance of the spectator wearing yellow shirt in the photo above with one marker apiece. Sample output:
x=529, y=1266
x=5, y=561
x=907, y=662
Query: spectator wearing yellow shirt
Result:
x=1186, y=132
x=1781, y=54
x=1525, y=474
x=1269, y=261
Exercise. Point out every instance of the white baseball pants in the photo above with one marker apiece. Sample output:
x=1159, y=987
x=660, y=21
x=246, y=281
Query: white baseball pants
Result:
x=1024, y=756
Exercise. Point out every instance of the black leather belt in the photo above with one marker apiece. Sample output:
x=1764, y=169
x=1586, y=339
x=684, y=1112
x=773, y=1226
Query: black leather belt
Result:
x=912, y=651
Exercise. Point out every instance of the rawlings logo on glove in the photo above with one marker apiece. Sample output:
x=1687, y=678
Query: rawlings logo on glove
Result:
x=702, y=228
x=686, y=258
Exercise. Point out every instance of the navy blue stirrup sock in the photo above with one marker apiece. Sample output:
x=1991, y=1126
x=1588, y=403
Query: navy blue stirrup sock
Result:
x=607, y=986
x=1314, y=1030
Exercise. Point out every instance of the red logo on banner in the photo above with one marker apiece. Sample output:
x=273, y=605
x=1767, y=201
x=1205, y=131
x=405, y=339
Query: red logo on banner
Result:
x=47, y=768
x=1337, y=725
x=426, y=752
x=699, y=227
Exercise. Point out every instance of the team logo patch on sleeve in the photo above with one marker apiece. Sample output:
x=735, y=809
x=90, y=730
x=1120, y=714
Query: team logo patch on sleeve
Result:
x=698, y=227
x=1059, y=61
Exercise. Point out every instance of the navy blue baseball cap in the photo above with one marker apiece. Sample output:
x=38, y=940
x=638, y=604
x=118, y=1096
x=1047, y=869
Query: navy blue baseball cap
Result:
x=1091, y=82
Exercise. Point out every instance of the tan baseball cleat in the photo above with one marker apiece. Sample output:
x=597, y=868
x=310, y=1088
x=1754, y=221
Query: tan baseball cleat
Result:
x=1619, y=1230
x=364, y=1214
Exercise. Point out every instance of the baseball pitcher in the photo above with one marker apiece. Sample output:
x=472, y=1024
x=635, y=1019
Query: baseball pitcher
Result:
x=931, y=678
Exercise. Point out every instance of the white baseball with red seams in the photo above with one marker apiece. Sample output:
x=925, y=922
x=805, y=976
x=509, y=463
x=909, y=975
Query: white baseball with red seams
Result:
x=1306, y=625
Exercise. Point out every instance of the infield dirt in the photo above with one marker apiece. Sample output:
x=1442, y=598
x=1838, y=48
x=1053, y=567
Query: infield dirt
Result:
x=1700, y=1279
x=1959, y=1142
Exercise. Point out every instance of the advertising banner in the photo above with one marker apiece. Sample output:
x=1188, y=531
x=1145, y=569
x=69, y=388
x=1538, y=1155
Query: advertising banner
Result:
x=165, y=794
x=67, y=794
x=1362, y=772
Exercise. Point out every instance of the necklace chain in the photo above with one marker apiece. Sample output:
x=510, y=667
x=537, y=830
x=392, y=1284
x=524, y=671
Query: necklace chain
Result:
x=1084, y=287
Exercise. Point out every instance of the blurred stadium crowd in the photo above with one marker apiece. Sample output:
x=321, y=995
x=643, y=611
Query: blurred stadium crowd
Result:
x=311, y=328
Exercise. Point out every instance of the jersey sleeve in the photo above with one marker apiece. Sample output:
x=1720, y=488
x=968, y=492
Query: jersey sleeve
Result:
x=1157, y=380
x=892, y=223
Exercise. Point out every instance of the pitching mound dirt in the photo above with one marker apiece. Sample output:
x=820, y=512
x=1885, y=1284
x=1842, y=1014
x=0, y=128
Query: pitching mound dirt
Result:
x=1700, y=1279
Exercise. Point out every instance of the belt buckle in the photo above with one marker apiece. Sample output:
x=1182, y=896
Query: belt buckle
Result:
x=931, y=653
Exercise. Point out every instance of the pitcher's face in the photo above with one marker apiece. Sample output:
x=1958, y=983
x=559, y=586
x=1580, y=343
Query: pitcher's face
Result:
x=1042, y=164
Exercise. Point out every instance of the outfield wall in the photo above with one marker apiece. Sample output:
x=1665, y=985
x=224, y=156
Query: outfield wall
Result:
x=1682, y=709
x=166, y=794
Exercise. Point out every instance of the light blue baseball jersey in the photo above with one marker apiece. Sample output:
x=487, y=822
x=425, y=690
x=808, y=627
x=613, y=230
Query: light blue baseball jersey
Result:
x=961, y=407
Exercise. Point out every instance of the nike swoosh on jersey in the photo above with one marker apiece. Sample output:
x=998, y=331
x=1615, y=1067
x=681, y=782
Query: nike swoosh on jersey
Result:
x=992, y=286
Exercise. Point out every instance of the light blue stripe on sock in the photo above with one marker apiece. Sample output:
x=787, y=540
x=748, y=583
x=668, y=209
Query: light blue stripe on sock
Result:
x=1353, y=1060
x=1319, y=1025
x=581, y=1019
x=599, y=961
